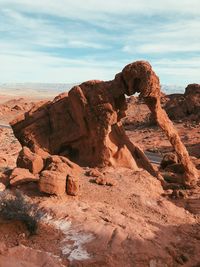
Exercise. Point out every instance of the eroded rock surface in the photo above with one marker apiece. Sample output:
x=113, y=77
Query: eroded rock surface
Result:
x=85, y=124
x=21, y=175
x=181, y=106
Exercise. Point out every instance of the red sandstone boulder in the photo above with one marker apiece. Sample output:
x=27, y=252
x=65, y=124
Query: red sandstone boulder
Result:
x=63, y=165
x=72, y=185
x=52, y=182
x=29, y=160
x=20, y=176
x=182, y=105
x=59, y=176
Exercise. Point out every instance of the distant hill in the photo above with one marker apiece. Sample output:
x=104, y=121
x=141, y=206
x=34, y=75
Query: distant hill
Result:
x=35, y=86
x=54, y=88
x=172, y=89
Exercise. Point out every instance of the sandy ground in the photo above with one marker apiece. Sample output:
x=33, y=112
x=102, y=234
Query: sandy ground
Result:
x=133, y=223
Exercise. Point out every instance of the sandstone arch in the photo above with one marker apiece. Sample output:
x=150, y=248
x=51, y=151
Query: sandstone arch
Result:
x=84, y=125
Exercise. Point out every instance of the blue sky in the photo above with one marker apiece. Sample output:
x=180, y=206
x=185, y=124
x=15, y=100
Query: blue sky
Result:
x=77, y=40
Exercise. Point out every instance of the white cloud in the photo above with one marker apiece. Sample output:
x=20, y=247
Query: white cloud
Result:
x=182, y=35
x=80, y=8
x=23, y=65
x=114, y=34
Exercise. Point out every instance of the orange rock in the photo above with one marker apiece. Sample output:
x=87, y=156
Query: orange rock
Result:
x=20, y=176
x=72, y=186
x=181, y=106
x=29, y=160
x=63, y=165
x=93, y=173
x=105, y=181
x=52, y=182
x=85, y=124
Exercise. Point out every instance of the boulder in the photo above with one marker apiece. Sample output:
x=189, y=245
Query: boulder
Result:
x=62, y=165
x=29, y=160
x=53, y=183
x=181, y=106
x=168, y=159
x=72, y=186
x=20, y=176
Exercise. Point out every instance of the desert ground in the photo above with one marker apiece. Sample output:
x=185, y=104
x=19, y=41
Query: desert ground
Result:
x=131, y=221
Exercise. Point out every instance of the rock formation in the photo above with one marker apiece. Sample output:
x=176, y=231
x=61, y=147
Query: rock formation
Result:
x=181, y=106
x=84, y=125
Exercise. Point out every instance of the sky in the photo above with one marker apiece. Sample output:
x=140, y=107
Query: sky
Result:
x=70, y=41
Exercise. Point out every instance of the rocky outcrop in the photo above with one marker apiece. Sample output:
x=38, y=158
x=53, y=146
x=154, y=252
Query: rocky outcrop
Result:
x=183, y=105
x=85, y=124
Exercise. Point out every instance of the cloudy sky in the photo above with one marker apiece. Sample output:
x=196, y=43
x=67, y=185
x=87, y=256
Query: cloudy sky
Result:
x=76, y=40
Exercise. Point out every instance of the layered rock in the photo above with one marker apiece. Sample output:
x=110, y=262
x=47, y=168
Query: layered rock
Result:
x=85, y=124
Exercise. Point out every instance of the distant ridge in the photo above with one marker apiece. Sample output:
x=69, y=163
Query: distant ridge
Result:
x=40, y=86
x=172, y=89
x=61, y=87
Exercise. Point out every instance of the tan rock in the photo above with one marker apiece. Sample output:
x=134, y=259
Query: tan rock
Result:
x=20, y=176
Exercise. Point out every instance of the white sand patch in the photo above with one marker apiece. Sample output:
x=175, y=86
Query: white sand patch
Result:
x=73, y=243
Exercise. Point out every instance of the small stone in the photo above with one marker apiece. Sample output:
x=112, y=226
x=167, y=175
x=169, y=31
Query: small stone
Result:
x=105, y=181
x=93, y=173
x=72, y=186
x=100, y=180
